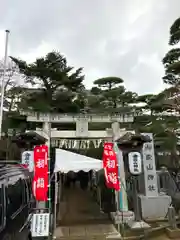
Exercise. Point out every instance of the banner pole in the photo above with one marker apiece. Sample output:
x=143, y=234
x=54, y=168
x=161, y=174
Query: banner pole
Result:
x=3, y=80
x=55, y=201
x=49, y=177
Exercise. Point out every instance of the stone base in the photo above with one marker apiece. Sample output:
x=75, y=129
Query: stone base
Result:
x=173, y=233
x=122, y=217
x=138, y=225
x=154, y=207
x=114, y=236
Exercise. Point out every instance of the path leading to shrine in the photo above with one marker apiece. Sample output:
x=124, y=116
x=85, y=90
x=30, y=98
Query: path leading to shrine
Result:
x=80, y=217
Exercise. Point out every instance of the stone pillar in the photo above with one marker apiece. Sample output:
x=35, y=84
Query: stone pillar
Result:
x=122, y=212
x=150, y=177
x=47, y=132
x=153, y=205
x=108, y=135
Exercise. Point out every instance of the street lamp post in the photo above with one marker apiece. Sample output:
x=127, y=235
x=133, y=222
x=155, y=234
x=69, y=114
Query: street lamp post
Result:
x=3, y=80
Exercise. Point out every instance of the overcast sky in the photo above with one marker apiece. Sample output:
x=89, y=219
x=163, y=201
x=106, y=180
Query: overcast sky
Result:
x=123, y=38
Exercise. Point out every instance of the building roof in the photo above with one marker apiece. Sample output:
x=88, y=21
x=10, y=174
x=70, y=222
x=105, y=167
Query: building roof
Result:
x=29, y=138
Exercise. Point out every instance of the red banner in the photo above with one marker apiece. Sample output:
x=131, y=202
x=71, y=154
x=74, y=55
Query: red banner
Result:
x=40, y=181
x=40, y=188
x=110, y=167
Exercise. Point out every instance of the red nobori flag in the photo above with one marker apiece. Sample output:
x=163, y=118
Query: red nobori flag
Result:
x=40, y=160
x=40, y=182
x=110, y=167
x=40, y=188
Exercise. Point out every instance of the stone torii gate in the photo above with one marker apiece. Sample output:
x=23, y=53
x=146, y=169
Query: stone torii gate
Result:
x=159, y=203
x=82, y=131
x=81, y=121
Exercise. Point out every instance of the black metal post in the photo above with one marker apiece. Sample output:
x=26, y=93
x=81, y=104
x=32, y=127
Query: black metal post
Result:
x=135, y=199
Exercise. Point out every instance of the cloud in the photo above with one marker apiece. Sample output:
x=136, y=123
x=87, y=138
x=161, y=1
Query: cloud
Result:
x=118, y=37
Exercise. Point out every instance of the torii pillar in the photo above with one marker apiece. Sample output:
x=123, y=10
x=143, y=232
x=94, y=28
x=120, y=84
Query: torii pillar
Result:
x=123, y=213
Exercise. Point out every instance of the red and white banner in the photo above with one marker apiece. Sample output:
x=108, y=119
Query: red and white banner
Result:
x=40, y=188
x=40, y=181
x=110, y=167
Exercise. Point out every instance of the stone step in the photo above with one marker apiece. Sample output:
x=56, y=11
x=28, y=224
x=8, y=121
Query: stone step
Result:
x=98, y=231
x=83, y=238
x=113, y=237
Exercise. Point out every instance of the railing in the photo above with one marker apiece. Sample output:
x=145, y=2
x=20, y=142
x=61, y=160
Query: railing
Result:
x=167, y=183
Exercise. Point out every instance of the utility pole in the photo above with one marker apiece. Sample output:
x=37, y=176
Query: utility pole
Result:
x=3, y=80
